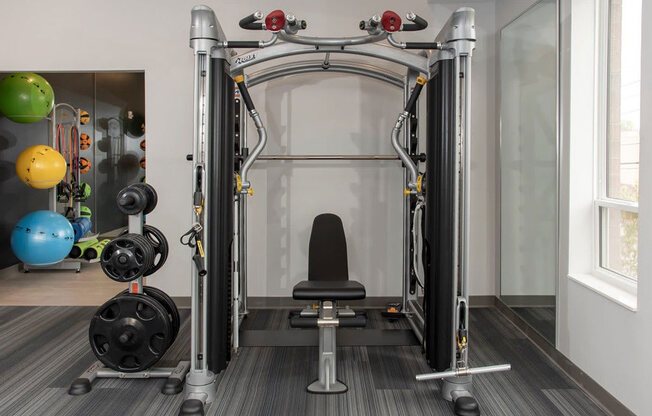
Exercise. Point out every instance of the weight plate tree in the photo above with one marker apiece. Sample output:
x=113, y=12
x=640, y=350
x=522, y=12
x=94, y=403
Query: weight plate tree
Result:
x=130, y=332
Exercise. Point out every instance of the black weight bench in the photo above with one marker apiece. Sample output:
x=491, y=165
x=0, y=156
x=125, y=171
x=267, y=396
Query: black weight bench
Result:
x=328, y=282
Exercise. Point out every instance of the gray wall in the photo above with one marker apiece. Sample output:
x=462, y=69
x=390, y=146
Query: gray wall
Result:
x=103, y=95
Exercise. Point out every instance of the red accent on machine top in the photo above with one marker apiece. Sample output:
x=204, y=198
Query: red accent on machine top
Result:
x=275, y=21
x=391, y=21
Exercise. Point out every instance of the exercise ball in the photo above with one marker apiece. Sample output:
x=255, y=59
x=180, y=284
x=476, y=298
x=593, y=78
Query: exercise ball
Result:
x=40, y=166
x=25, y=97
x=42, y=238
x=84, y=117
x=84, y=165
x=84, y=141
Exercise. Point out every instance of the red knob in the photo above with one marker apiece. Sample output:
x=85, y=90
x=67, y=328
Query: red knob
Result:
x=391, y=21
x=275, y=21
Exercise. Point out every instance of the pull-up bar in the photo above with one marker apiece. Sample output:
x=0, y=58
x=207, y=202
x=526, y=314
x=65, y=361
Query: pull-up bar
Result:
x=328, y=157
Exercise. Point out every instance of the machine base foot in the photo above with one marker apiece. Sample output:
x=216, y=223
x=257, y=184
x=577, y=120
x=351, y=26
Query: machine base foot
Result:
x=172, y=386
x=323, y=388
x=466, y=406
x=79, y=386
x=192, y=407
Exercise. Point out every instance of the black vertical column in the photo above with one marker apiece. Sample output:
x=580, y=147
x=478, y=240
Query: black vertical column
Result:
x=220, y=217
x=439, y=215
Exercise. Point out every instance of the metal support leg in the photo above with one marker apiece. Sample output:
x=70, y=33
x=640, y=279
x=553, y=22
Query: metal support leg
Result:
x=327, y=382
x=173, y=385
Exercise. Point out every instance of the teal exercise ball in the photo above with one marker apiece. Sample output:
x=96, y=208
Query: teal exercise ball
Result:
x=42, y=238
x=25, y=97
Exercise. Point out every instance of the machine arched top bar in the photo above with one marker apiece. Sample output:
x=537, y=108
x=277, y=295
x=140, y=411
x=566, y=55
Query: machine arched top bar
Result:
x=280, y=50
x=303, y=67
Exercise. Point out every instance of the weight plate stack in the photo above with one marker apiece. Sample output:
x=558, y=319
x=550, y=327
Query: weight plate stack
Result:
x=132, y=200
x=127, y=258
x=159, y=244
x=167, y=303
x=151, y=196
x=130, y=332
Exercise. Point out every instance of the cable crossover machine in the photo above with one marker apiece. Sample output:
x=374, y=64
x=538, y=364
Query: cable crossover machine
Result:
x=221, y=161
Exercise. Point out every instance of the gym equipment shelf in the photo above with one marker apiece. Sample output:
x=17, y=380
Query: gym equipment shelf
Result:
x=69, y=116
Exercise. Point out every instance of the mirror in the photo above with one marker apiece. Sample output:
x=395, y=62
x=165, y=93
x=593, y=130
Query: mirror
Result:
x=528, y=166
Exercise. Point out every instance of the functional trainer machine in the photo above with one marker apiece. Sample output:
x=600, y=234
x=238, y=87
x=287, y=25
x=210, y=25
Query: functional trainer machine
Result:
x=221, y=162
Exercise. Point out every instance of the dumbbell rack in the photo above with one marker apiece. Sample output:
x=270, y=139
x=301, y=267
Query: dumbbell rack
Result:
x=175, y=375
x=72, y=120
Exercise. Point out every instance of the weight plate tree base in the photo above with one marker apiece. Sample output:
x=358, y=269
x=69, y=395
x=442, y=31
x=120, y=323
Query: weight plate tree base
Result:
x=173, y=385
x=192, y=407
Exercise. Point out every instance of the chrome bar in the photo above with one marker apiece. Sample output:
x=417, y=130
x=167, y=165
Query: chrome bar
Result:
x=198, y=159
x=304, y=67
x=243, y=216
x=315, y=41
x=328, y=157
x=456, y=214
x=464, y=372
x=284, y=49
x=406, y=206
x=262, y=141
x=466, y=189
x=206, y=145
x=400, y=150
x=418, y=332
x=235, y=289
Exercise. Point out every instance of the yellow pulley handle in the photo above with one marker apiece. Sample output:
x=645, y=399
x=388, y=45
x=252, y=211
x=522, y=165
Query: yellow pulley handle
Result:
x=420, y=183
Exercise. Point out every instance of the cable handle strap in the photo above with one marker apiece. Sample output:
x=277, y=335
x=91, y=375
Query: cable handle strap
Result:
x=190, y=238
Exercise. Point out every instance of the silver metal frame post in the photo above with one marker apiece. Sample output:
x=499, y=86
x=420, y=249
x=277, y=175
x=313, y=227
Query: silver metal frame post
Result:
x=204, y=35
x=458, y=38
x=243, y=215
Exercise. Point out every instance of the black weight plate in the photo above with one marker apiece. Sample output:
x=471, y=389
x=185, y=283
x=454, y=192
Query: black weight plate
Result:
x=127, y=257
x=159, y=244
x=151, y=195
x=169, y=305
x=130, y=332
x=132, y=200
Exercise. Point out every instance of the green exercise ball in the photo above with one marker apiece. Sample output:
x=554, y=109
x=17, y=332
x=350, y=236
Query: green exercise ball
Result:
x=25, y=97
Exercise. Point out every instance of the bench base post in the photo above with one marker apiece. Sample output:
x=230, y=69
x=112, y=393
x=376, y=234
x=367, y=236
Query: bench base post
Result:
x=327, y=382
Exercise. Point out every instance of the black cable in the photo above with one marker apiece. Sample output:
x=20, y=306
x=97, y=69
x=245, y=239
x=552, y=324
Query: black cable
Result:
x=244, y=92
x=415, y=94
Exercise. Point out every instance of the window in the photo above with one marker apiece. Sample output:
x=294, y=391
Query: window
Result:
x=619, y=78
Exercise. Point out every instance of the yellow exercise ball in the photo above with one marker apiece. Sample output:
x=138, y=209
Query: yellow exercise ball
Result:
x=41, y=167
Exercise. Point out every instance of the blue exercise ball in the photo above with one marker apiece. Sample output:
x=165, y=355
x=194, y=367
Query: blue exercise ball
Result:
x=42, y=238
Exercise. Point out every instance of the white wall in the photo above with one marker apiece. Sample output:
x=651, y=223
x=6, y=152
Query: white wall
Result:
x=153, y=36
x=607, y=341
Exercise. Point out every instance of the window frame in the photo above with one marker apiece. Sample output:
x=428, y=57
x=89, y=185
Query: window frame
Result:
x=601, y=200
